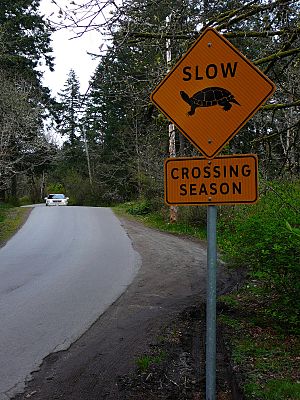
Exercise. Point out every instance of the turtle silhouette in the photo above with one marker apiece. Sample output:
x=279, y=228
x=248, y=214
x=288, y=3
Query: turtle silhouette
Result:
x=208, y=97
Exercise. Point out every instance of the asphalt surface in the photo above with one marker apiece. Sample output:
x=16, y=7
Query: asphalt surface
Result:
x=58, y=274
x=172, y=277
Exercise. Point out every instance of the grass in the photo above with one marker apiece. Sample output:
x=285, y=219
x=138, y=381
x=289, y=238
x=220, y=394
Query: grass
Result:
x=275, y=389
x=11, y=219
x=159, y=220
x=144, y=362
x=265, y=358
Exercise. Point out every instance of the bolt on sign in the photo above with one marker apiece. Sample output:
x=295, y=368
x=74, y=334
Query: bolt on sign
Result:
x=222, y=180
x=212, y=92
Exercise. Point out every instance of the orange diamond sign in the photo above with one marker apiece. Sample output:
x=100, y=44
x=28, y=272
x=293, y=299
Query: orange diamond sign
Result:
x=212, y=92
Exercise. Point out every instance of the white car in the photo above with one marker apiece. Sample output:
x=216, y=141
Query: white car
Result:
x=56, y=199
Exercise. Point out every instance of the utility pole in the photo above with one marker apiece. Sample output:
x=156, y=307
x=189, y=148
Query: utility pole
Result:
x=87, y=156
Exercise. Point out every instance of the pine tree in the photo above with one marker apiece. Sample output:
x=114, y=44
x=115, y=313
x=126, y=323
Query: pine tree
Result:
x=70, y=127
x=133, y=141
x=24, y=43
x=24, y=38
x=130, y=136
x=70, y=109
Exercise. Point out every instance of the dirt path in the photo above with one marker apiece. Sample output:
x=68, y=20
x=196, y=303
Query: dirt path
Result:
x=172, y=278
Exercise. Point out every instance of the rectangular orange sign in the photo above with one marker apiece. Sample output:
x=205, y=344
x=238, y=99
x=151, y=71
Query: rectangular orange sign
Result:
x=223, y=180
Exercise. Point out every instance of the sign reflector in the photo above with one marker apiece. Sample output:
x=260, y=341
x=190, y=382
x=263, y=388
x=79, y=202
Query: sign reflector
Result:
x=223, y=180
x=212, y=92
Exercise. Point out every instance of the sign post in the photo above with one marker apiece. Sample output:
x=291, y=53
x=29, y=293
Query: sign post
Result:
x=211, y=297
x=223, y=180
x=210, y=94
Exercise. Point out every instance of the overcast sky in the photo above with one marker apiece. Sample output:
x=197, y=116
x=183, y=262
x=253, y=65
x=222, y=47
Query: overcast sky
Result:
x=70, y=54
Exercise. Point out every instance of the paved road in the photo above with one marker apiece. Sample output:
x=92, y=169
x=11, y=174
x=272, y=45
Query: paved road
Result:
x=172, y=277
x=58, y=274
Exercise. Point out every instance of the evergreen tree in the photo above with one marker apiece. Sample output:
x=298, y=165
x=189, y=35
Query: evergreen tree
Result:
x=24, y=38
x=24, y=43
x=70, y=126
x=266, y=32
x=133, y=140
x=128, y=137
x=70, y=109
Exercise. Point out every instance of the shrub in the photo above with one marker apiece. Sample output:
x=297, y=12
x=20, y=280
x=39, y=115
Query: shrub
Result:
x=259, y=237
x=55, y=188
x=139, y=208
x=25, y=200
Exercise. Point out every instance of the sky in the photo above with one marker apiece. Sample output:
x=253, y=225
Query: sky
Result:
x=70, y=54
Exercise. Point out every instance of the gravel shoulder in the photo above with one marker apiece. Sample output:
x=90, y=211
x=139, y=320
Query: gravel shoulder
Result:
x=172, y=278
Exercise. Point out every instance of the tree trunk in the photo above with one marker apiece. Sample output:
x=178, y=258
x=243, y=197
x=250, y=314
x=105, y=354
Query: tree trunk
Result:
x=2, y=195
x=172, y=137
x=14, y=185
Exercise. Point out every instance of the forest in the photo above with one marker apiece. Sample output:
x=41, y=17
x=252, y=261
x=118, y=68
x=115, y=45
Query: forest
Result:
x=113, y=140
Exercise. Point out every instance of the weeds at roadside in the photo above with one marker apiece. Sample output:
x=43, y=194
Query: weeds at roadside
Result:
x=143, y=212
x=265, y=359
x=11, y=219
x=144, y=362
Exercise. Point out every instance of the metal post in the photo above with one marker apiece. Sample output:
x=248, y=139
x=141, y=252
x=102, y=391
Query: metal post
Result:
x=211, y=303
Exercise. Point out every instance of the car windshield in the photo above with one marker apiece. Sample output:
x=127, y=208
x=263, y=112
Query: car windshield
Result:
x=56, y=196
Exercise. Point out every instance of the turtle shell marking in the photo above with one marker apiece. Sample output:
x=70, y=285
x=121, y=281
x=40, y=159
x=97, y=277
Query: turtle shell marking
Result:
x=209, y=97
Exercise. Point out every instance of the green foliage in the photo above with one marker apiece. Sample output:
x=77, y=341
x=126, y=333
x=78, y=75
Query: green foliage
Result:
x=25, y=200
x=145, y=362
x=265, y=359
x=127, y=136
x=139, y=208
x=257, y=237
x=279, y=389
x=4, y=207
x=11, y=218
x=70, y=107
x=276, y=389
x=230, y=300
x=56, y=188
x=226, y=320
x=25, y=45
x=194, y=216
x=295, y=231
x=76, y=187
x=159, y=217
x=25, y=37
x=14, y=201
